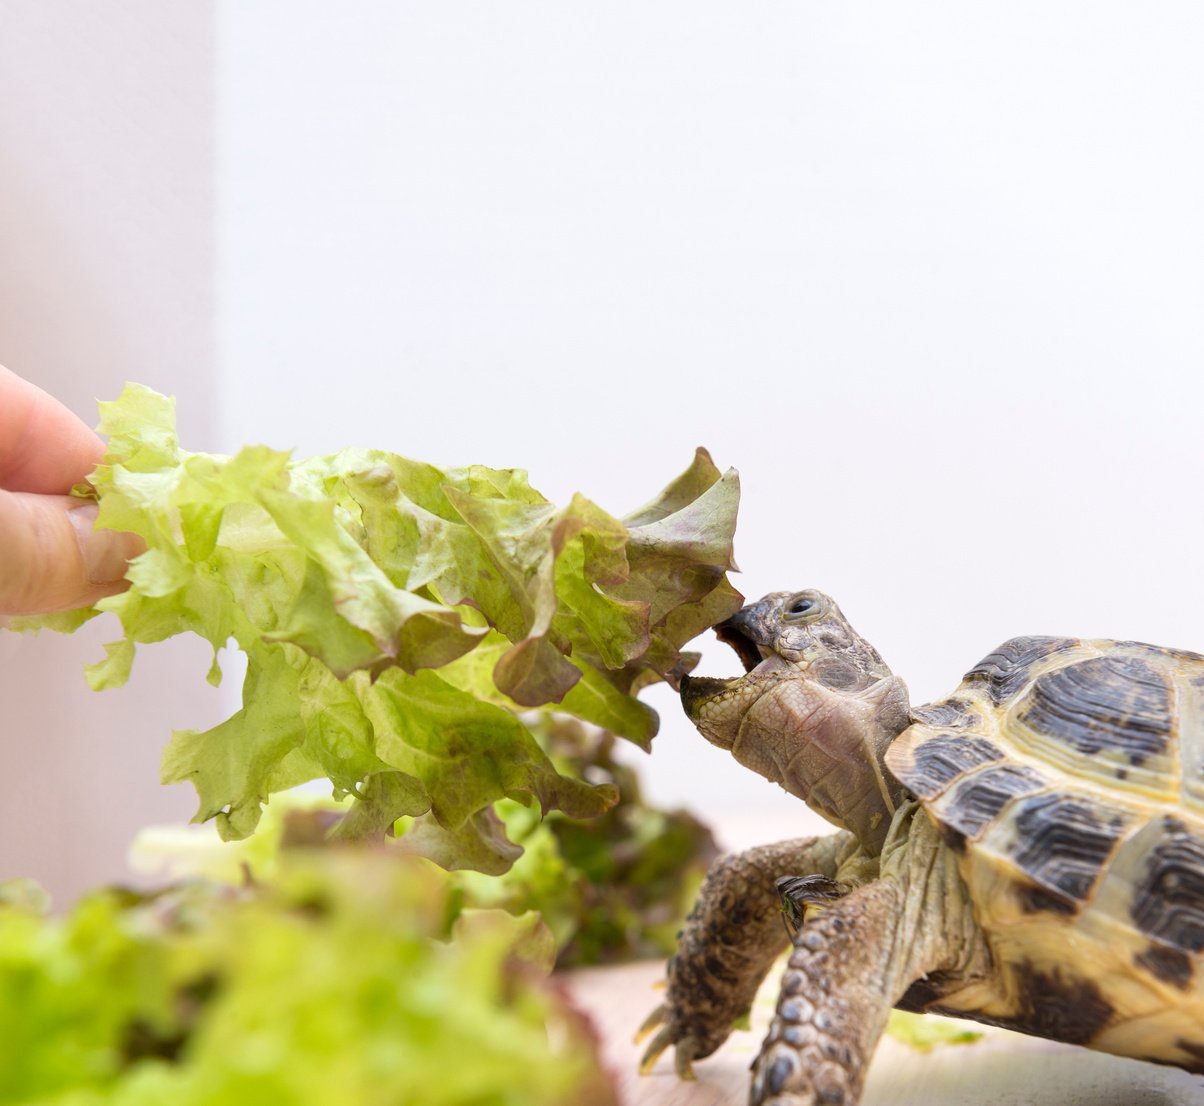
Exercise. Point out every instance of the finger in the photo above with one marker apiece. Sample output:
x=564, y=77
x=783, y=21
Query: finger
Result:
x=52, y=560
x=43, y=446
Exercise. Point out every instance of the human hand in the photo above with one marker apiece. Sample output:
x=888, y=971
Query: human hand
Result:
x=50, y=558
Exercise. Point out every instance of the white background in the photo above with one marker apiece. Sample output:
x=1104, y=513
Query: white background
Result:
x=929, y=275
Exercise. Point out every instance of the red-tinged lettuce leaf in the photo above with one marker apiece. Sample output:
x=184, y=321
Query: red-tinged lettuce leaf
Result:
x=398, y=619
x=522, y=540
x=340, y=741
x=594, y=698
x=468, y=753
x=384, y=798
x=680, y=494
x=615, y=888
x=308, y=624
x=479, y=845
x=413, y=631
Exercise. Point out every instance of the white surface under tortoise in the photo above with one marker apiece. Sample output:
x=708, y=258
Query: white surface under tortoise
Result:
x=1028, y=852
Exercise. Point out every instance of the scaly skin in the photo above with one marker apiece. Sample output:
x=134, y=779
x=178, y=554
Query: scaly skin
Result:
x=851, y=962
x=854, y=960
x=729, y=943
x=833, y=1004
x=815, y=715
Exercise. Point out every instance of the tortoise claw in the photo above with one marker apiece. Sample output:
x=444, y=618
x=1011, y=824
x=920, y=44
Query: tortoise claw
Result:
x=683, y=1061
x=683, y=1057
x=657, y=1017
x=652, y=1053
x=667, y=1034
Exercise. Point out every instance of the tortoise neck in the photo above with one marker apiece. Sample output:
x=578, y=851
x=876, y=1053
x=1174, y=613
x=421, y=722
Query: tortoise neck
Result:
x=840, y=771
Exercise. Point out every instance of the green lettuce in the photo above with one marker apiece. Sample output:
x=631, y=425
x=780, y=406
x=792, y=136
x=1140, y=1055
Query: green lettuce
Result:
x=351, y=977
x=398, y=620
x=615, y=888
x=924, y=1032
x=612, y=889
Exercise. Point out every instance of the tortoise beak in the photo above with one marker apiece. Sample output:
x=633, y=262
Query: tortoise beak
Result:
x=745, y=633
x=696, y=690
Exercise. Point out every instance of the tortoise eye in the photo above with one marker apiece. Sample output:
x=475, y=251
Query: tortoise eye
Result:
x=804, y=606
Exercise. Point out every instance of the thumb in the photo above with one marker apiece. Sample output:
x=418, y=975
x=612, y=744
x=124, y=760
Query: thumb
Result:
x=50, y=557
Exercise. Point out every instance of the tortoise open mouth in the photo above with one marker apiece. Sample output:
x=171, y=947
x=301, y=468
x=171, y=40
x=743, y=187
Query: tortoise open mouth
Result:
x=746, y=649
x=698, y=691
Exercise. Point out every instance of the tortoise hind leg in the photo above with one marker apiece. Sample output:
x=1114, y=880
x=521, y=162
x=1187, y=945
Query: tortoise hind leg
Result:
x=727, y=946
x=837, y=992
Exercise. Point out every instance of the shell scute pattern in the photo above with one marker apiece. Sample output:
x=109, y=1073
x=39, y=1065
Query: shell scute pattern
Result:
x=1075, y=802
x=1007, y=670
x=1168, y=902
x=954, y=714
x=976, y=801
x=1116, y=701
x=1064, y=840
x=1122, y=719
x=946, y=757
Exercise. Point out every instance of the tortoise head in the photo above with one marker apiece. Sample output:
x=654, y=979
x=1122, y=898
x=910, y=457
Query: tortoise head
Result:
x=814, y=711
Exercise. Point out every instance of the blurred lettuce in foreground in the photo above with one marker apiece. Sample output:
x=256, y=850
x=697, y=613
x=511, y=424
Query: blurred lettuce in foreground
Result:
x=397, y=619
x=924, y=1032
x=337, y=982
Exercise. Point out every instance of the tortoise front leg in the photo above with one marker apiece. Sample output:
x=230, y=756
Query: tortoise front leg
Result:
x=728, y=944
x=855, y=958
x=837, y=992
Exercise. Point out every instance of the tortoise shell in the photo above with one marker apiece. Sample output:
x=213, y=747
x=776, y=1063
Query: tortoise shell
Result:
x=1068, y=776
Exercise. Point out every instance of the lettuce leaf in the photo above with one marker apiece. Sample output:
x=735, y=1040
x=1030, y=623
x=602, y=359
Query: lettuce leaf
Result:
x=353, y=976
x=924, y=1032
x=398, y=619
x=614, y=889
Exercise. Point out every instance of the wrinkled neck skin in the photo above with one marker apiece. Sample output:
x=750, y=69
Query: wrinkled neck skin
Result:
x=826, y=746
x=814, y=711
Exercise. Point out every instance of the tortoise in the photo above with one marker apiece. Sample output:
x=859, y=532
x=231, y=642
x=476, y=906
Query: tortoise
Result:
x=1028, y=852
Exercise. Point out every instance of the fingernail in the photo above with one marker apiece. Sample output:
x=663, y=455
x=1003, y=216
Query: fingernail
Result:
x=103, y=551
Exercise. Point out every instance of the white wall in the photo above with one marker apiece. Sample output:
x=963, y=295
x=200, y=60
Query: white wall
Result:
x=930, y=275
x=105, y=275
